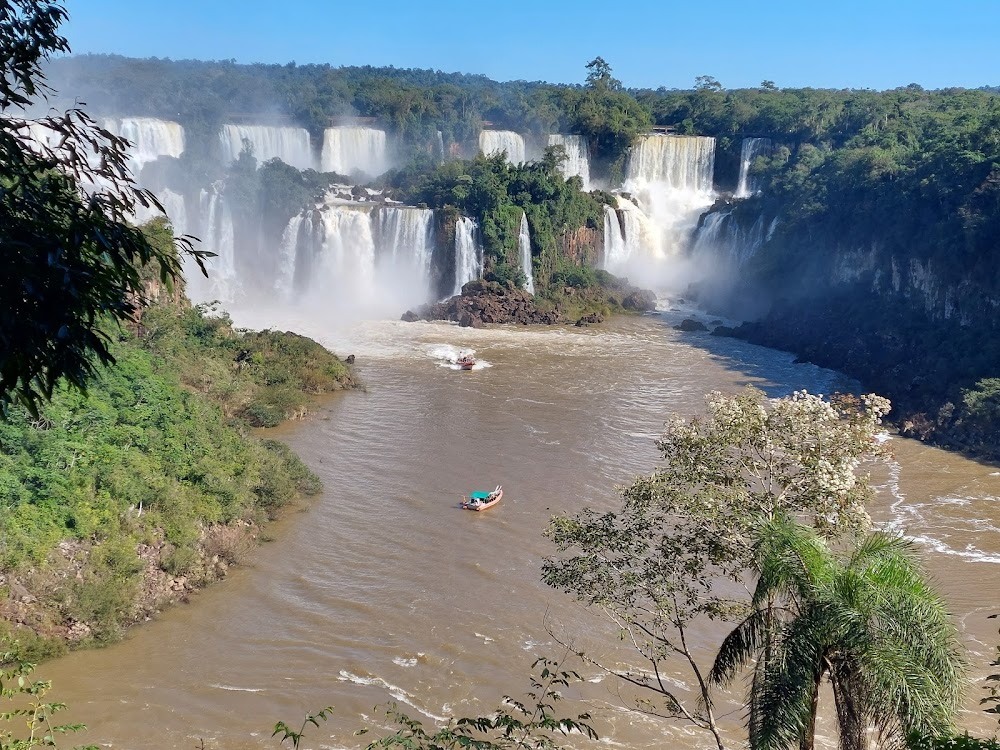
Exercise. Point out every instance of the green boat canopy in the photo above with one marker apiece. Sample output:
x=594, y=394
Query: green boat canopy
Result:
x=479, y=495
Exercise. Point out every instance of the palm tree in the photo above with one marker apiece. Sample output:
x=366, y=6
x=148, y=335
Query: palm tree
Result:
x=867, y=621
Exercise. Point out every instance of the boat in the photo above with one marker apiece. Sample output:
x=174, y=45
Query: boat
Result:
x=466, y=362
x=482, y=500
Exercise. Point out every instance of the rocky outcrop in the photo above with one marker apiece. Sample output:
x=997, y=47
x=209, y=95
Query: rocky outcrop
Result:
x=582, y=245
x=486, y=302
x=639, y=300
x=590, y=319
x=690, y=325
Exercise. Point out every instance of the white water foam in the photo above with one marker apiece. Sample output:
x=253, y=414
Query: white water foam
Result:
x=448, y=356
x=237, y=689
x=906, y=516
x=396, y=692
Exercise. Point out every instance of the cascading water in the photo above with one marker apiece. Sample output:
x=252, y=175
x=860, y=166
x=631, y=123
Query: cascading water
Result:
x=503, y=141
x=468, y=253
x=670, y=179
x=615, y=255
x=577, y=162
x=175, y=209
x=348, y=150
x=721, y=237
x=150, y=138
x=679, y=162
x=286, y=256
x=441, y=154
x=339, y=254
x=216, y=228
x=749, y=151
x=291, y=145
x=524, y=246
x=357, y=258
x=404, y=238
x=643, y=238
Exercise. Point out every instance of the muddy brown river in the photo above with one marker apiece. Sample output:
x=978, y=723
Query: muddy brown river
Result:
x=382, y=589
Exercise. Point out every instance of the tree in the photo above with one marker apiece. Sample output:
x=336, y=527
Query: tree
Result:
x=659, y=566
x=600, y=76
x=72, y=257
x=707, y=83
x=867, y=621
x=768, y=85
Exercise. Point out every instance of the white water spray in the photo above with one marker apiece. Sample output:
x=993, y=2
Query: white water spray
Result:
x=217, y=236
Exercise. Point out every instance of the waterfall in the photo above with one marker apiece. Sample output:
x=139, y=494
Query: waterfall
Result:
x=150, y=138
x=722, y=237
x=404, y=238
x=680, y=162
x=441, y=154
x=216, y=227
x=39, y=138
x=524, y=245
x=615, y=254
x=291, y=145
x=344, y=259
x=175, y=209
x=670, y=181
x=577, y=162
x=357, y=258
x=286, y=256
x=349, y=150
x=749, y=151
x=503, y=141
x=643, y=237
x=468, y=254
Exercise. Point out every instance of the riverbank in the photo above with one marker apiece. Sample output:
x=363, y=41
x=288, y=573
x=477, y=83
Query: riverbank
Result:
x=123, y=501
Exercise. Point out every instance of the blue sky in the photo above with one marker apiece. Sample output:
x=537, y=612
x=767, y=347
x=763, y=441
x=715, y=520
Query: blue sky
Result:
x=848, y=44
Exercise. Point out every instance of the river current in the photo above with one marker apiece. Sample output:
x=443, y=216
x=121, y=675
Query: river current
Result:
x=382, y=589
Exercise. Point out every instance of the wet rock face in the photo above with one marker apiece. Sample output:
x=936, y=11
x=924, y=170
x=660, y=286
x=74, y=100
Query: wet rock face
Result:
x=486, y=302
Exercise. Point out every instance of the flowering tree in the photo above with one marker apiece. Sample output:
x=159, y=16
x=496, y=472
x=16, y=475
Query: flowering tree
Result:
x=685, y=534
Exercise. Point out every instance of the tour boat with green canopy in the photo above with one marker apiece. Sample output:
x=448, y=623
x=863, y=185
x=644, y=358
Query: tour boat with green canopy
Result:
x=482, y=500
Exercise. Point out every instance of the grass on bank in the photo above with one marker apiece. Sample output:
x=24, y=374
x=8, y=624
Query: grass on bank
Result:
x=151, y=477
